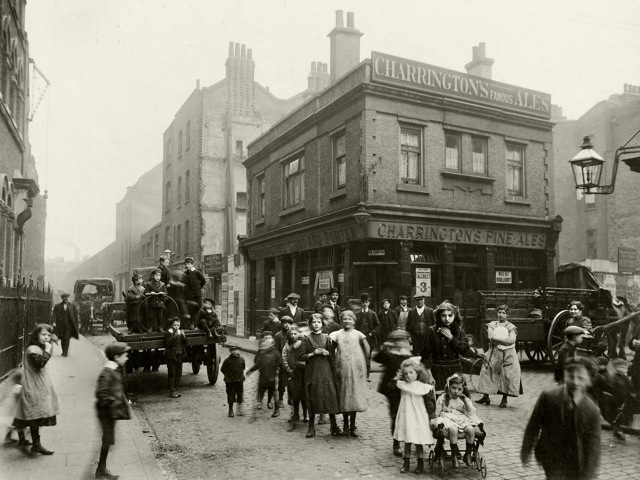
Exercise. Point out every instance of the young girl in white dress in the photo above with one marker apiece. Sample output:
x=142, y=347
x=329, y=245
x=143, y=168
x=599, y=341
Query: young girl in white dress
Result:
x=417, y=405
x=456, y=414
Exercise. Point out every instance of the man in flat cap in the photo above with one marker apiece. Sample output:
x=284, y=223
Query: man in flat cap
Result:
x=292, y=309
x=564, y=428
x=65, y=322
x=419, y=319
x=574, y=336
x=193, y=285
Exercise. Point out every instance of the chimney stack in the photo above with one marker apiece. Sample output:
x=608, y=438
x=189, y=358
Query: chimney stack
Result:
x=480, y=65
x=240, y=80
x=345, y=45
x=318, y=78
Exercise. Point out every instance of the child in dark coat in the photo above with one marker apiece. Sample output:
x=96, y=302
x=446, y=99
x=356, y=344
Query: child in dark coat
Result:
x=268, y=362
x=233, y=371
x=294, y=366
x=207, y=320
x=156, y=291
x=175, y=342
x=111, y=402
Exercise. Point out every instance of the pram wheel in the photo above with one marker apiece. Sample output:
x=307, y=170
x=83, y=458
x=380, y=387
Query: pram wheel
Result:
x=483, y=468
x=430, y=459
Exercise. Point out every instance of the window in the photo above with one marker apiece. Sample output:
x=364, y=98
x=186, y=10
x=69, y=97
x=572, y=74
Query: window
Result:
x=340, y=155
x=186, y=186
x=410, y=154
x=515, y=170
x=156, y=245
x=167, y=245
x=479, y=154
x=167, y=151
x=452, y=151
x=178, y=239
x=179, y=191
x=167, y=197
x=239, y=149
x=186, y=237
x=180, y=143
x=293, y=182
x=262, y=198
x=188, y=139
x=592, y=244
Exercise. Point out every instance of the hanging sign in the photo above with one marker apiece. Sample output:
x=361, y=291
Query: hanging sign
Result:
x=423, y=281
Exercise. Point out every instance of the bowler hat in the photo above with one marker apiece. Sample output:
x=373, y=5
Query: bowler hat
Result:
x=364, y=297
x=114, y=349
x=64, y=295
x=333, y=290
x=189, y=260
x=575, y=330
x=231, y=345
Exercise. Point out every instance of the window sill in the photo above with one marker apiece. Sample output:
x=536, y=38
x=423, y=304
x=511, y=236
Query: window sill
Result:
x=517, y=200
x=340, y=193
x=259, y=222
x=290, y=210
x=410, y=187
x=472, y=177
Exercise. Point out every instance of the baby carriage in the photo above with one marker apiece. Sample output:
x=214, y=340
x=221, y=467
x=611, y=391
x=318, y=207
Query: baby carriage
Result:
x=439, y=456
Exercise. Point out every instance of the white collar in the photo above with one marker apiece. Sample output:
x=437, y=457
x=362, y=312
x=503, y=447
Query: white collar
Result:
x=420, y=309
x=112, y=365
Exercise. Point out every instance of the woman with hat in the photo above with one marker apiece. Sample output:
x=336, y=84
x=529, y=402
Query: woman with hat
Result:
x=38, y=404
x=445, y=343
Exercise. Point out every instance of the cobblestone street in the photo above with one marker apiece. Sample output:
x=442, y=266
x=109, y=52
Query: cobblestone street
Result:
x=196, y=439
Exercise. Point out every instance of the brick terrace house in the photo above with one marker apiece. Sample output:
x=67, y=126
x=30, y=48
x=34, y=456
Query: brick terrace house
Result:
x=402, y=177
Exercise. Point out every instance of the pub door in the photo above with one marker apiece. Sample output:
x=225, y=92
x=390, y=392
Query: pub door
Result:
x=467, y=299
x=378, y=281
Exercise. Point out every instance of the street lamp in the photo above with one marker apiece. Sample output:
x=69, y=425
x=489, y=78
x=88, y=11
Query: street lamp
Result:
x=587, y=166
x=361, y=215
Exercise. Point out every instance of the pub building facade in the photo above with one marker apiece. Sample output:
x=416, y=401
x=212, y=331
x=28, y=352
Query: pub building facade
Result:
x=403, y=178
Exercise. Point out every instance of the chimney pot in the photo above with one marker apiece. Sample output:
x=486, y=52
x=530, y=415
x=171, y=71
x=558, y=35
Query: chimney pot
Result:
x=244, y=51
x=231, y=49
x=249, y=54
x=313, y=66
x=350, y=23
x=475, y=53
x=339, y=18
x=198, y=84
x=236, y=52
x=482, y=49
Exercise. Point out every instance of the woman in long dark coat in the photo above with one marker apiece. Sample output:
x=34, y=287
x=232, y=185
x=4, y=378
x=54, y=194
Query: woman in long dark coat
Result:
x=445, y=343
x=322, y=395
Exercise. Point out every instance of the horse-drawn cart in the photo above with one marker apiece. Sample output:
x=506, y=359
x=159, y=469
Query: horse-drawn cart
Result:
x=541, y=315
x=147, y=350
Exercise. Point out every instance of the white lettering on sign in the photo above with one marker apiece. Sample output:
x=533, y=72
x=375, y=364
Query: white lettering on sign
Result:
x=341, y=278
x=503, y=277
x=376, y=253
x=423, y=281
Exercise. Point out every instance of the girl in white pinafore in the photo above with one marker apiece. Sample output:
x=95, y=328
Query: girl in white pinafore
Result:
x=417, y=405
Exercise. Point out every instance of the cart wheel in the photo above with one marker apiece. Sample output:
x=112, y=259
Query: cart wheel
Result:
x=477, y=461
x=556, y=335
x=536, y=351
x=195, y=366
x=430, y=459
x=212, y=370
x=483, y=468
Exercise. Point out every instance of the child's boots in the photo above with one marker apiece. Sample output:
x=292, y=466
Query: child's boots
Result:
x=335, y=429
x=468, y=453
x=455, y=453
x=397, y=451
x=276, y=410
x=231, y=415
x=420, y=467
x=405, y=465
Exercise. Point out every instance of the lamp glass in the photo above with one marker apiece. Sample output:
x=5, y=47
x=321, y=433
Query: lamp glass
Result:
x=587, y=169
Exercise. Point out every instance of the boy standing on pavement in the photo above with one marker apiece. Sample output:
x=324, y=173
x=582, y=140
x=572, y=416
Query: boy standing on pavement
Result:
x=402, y=311
x=564, y=428
x=175, y=342
x=280, y=340
x=233, y=371
x=267, y=361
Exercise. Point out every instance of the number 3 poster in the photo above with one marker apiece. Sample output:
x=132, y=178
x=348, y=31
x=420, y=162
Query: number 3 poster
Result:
x=423, y=281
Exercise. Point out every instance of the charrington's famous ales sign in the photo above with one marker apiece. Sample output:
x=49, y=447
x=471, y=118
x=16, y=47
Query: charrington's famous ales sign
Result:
x=408, y=73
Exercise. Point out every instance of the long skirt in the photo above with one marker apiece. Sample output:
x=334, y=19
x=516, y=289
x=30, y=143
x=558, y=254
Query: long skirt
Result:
x=500, y=373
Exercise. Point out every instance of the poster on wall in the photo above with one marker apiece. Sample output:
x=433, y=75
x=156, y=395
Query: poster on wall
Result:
x=503, y=277
x=305, y=280
x=423, y=281
x=273, y=287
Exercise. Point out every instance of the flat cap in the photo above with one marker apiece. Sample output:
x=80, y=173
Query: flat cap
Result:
x=64, y=295
x=117, y=348
x=575, y=330
x=189, y=260
x=231, y=345
x=579, y=361
x=286, y=319
x=419, y=295
x=273, y=310
x=294, y=296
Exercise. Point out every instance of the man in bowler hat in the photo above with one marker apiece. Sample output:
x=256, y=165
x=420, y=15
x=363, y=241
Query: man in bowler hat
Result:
x=65, y=321
x=420, y=318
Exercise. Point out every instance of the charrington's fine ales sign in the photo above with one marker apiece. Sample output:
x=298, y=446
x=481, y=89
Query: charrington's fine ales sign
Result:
x=467, y=235
x=408, y=73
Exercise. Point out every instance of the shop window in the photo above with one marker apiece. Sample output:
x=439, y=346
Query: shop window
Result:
x=479, y=155
x=340, y=160
x=410, y=156
x=294, y=182
x=463, y=254
x=324, y=258
x=452, y=149
x=515, y=170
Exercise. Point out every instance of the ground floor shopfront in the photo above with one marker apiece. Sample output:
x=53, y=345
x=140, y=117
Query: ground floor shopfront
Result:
x=441, y=255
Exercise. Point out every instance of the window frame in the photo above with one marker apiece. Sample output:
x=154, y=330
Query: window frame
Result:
x=513, y=164
x=180, y=144
x=188, y=136
x=167, y=196
x=419, y=150
x=297, y=177
x=262, y=196
x=485, y=144
x=458, y=137
x=187, y=186
x=187, y=225
x=339, y=160
x=179, y=193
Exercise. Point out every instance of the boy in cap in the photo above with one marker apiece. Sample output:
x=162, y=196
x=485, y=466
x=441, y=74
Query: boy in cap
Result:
x=155, y=291
x=292, y=309
x=573, y=336
x=233, y=371
x=176, y=343
x=294, y=367
x=402, y=311
x=322, y=301
x=272, y=323
x=367, y=322
x=280, y=340
x=334, y=295
x=207, y=320
x=111, y=402
x=564, y=426
x=268, y=362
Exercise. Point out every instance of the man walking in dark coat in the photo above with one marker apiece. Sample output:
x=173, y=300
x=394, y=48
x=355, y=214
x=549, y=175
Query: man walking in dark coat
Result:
x=564, y=428
x=194, y=283
x=65, y=321
x=419, y=320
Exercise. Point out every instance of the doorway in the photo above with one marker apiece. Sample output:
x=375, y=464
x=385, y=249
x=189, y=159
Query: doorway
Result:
x=467, y=282
x=379, y=281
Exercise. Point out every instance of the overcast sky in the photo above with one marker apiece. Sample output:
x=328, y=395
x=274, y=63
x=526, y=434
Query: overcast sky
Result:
x=119, y=70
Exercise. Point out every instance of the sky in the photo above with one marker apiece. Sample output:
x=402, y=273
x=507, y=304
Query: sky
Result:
x=120, y=70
